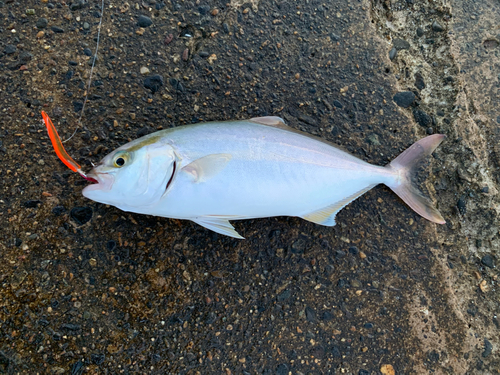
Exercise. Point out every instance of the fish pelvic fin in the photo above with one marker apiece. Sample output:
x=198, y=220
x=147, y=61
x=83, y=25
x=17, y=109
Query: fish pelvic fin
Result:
x=405, y=167
x=326, y=216
x=219, y=224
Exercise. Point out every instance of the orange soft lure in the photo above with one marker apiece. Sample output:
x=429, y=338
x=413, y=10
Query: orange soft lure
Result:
x=59, y=148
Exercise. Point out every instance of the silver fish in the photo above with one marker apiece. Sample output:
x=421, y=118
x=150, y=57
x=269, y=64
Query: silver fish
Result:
x=215, y=172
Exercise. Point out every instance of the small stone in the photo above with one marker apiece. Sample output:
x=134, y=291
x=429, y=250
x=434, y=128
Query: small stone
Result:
x=393, y=53
x=337, y=104
x=356, y=283
x=327, y=315
x=70, y=327
x=203, y=54
x=462, y=205
x=215, y=12
x=86, y=26
x=488, y=348
x=422, y=118
x=76, y=5
x=98, y=358
x=483, y=285
x=342, y=283
x=144, y=70
x=204, y=9
x=336, y=352
x=40, y=34
x=32, y=203
x=57, y=29
x=185, y=54
x=310, y=315
x=10, y=49
x=419, y=81
x=77, y=106
x=30, y=12
x=404, y=99
x=308, y=119
x=334, y=37
x=298, y=246
x=282, y=369
x=58, y=210
x=284, y=295
x=25, y=57
x=420, y=32
x=339, y=254
x=487, y=260
x=436, y=26
x=42, y=23
x=153, y=83
x=140, y=31
x=387, y=370
x=491, y=43
x=400, y=44
x=373, y=140
x=144, y=21
x=354, y=250
x=169, y=38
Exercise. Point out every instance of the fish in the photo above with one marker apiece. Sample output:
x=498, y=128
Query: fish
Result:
x=215, y=172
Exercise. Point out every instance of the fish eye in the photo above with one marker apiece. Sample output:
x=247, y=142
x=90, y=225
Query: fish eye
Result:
x=120, y=159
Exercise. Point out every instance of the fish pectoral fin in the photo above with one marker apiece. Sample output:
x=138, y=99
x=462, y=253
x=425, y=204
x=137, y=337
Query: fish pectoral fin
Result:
x=326, y=216
x=219, y=224
x=207, y=167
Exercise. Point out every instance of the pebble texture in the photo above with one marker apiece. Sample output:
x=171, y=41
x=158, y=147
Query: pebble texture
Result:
x=87, y=288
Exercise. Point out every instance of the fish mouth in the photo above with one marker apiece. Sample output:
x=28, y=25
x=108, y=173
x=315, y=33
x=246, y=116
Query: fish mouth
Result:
x=100, y=181
x=89, y=179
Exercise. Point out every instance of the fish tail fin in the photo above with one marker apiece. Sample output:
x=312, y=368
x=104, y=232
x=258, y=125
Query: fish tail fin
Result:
x=405, y=167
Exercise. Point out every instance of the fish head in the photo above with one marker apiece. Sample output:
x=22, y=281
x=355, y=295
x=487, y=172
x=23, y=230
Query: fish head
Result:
x=133, y=176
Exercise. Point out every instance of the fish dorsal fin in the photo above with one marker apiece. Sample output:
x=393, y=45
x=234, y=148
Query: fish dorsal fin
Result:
x=205, y=168
x=326, y=216
x=219, y=224
x=274, y=121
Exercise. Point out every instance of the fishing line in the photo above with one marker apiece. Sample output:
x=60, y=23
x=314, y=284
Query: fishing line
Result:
x=91, y=71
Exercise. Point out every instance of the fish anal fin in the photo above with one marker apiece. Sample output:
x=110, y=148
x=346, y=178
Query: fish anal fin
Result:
x=205, y=168
x=326, y=216
x=219, y=224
